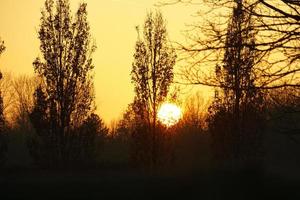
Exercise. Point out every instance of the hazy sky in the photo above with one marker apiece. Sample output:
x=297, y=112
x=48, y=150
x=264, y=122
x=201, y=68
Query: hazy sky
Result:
x=113, y=28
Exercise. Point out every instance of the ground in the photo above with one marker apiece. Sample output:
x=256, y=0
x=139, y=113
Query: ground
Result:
x=129, y=184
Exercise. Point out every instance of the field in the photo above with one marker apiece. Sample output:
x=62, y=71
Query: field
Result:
x=126, y=184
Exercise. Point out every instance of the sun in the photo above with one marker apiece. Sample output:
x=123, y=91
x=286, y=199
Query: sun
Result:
x=169, y=114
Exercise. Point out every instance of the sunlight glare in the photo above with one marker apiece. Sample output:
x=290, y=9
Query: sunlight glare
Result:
x=169, y=114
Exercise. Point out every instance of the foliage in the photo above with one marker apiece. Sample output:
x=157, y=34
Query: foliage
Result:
x=90, y=139
x=152, y=74
x=2, y=47
x=42, y=145
x=236, y=116
x=3, y=142
x=65, y=100
x=284, y=112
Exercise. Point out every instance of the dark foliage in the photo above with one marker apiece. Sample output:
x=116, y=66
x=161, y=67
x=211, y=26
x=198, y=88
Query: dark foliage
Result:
x=65, y=125
x=236, y=120
x=3, y=142
x=152, y=74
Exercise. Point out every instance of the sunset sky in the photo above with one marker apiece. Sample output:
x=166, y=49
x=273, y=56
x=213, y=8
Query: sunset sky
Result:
x=113, y=28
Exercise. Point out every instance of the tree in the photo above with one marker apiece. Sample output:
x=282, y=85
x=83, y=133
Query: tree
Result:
x=2, y=47
x=23, y=88
x=283, y=21
x=236, y=121
x=65, y=70
x=8, y=95
x=43, y=146
x=277, y=27
x=152, y=74
x=276, y=64
x=191, y=139
x=125, y=125
x=284, y=112
x=194, y=113
x=91, y=137
x=3, y=145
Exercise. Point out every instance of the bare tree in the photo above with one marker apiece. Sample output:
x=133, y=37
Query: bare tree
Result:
x=225, y=53
x=194, y=112
x=9, y=97
x=24, y=87
x=278, y=28
x=152, y=74
x=277, y=36
x=17, y=92
x=275, y=25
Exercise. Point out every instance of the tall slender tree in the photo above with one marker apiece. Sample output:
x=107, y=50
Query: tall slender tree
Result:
x=3, y=146
x=238, y=104
x=152, y=74
x=65, y=69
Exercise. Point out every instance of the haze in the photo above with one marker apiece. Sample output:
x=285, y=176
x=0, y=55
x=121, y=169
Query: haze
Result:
x=113, y=28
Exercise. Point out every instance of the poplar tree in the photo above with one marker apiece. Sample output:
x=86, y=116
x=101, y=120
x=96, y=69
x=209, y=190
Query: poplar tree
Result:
x=236, y=120
x=3, y=145
x=152, y=75
x=65, y=100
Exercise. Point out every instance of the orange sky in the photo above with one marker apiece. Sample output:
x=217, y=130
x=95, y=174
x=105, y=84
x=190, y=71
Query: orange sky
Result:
x=113, y=28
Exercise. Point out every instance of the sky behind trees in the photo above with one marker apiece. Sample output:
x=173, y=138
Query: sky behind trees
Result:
x=112, y=24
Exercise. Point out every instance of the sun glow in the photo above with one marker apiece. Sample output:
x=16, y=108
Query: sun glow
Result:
x=169, y=114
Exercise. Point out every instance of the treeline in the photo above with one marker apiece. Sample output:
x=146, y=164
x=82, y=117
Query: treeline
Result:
x=254, y=76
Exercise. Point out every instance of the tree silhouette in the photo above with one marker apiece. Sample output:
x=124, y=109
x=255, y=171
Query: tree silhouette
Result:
x=3, y=145
x=43, y=147
x=2, y=47
x=236, y=122
x=126, y=124
x=17, y=93
x=91, y=136
x=277, y=27
x=23, y=88
x=65, y=100
x=282, y=21
x=284, y=109
x=152, y=74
